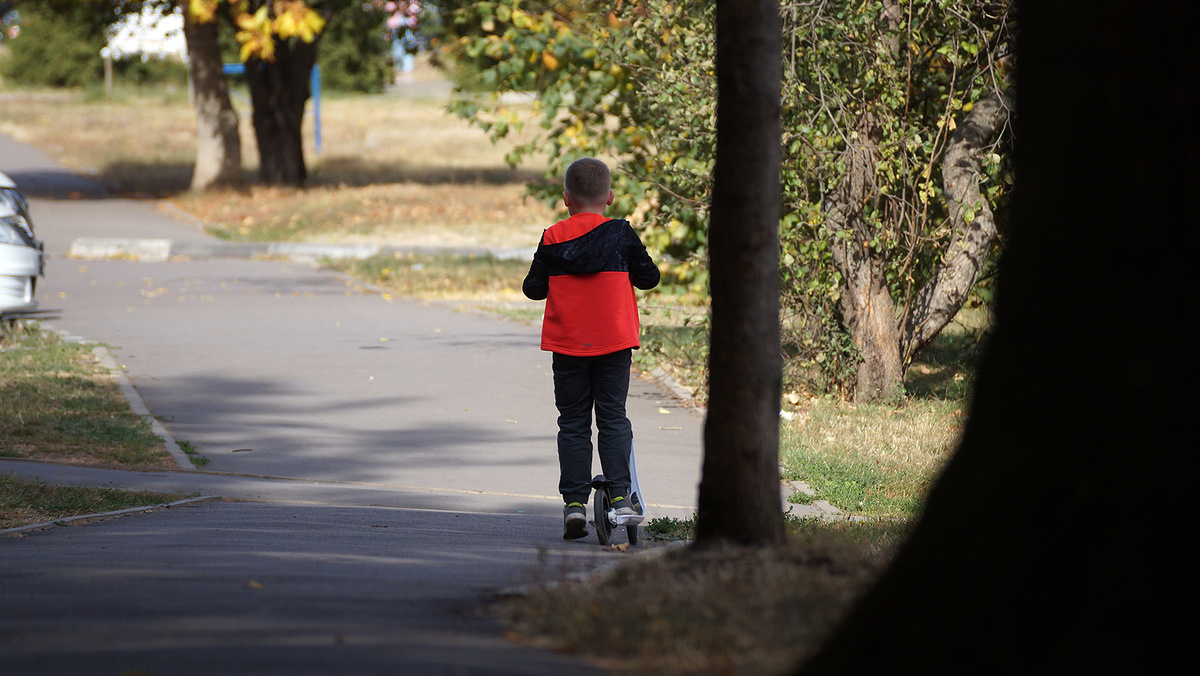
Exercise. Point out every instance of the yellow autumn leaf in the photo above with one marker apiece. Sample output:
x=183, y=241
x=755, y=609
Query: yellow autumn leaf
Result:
x=285, y=25
x=259, y=45
x=203, y=11
x=315, y=22
x=253, y=22
x=297, y=19
x=549, y=61
x=249, y=47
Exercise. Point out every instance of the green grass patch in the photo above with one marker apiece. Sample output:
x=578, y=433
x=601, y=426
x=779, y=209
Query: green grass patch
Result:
x=873, y=534
x=23, y=501
x=870, y=460
x=57, y=402
x=192, y=454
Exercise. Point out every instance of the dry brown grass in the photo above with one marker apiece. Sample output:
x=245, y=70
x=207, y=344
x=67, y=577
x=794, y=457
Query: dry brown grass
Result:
x=399, y=214
x=688, y=612
x=917, y=435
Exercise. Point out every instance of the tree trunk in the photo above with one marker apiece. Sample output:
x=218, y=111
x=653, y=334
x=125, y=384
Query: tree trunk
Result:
x=936, y=303
x=867, y=308
x=279, y=90
x=1055, y=541
x=218, y=146
x=739, y=491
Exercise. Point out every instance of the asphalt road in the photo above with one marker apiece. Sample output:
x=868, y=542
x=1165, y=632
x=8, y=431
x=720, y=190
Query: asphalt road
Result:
x=383, y=464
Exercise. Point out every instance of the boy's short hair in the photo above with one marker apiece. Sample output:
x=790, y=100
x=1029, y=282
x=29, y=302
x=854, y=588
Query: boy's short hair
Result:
x=588, y=181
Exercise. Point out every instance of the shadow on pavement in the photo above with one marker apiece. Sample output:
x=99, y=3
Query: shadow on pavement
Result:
x=58, y=185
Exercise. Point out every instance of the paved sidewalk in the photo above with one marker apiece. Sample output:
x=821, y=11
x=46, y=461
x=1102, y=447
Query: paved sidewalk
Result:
x=400, y=456
x=276, y=368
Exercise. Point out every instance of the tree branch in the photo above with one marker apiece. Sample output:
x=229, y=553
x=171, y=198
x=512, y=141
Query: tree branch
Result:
x=936, y=303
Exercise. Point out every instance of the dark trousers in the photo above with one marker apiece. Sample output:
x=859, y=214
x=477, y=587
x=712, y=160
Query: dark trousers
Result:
x=581, y=385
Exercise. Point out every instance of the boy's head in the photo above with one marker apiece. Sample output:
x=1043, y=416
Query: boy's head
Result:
x=588, y=186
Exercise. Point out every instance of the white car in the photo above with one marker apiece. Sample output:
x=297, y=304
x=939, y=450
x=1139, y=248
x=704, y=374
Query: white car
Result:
x=21, y=257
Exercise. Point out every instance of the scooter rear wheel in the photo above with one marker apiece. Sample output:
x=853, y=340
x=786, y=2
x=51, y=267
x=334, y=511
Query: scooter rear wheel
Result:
x=600, y=508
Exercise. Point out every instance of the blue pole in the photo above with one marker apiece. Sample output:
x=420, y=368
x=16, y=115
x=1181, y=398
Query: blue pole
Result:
x=316, y=88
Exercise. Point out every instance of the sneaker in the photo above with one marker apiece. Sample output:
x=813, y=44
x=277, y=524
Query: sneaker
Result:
x=622, y=507
x=574, y=521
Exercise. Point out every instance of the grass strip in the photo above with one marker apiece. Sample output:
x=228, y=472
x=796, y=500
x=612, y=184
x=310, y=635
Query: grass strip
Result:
x=449, y=277
x=25, y=501
x=57, y=402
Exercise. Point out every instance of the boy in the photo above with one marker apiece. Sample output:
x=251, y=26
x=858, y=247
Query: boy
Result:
x=585, y=268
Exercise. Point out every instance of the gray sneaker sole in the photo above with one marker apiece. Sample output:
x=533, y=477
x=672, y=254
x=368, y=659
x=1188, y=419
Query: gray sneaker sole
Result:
x=576, y=528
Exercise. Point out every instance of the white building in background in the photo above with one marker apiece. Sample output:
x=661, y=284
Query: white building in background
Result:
x=149, y=35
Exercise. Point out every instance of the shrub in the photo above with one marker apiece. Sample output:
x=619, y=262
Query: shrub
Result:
x=59, y=45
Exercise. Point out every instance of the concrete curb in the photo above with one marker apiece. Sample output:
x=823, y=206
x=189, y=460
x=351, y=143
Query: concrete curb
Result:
x=101, y=515
x=139, y=407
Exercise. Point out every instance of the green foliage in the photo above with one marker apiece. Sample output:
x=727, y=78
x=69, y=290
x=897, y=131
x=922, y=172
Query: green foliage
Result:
x=59, y=45
x=134, y=71
x=914, y=81
x=634, y=87
x=669, y=529
x=634, y=83
x=354, y=52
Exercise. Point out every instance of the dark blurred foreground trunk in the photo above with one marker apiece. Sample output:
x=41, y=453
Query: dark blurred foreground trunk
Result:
x=1055, y=541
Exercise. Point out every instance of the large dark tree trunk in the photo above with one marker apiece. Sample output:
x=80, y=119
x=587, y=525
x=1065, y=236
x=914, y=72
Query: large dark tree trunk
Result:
x=218, y=146
x=279, y=90
x=739, y=492
x=1056, y=540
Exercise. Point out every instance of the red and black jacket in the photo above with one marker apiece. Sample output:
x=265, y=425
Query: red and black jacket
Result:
x=585, y=268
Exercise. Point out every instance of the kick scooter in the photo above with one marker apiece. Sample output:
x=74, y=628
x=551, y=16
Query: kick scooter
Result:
x=606, y=519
